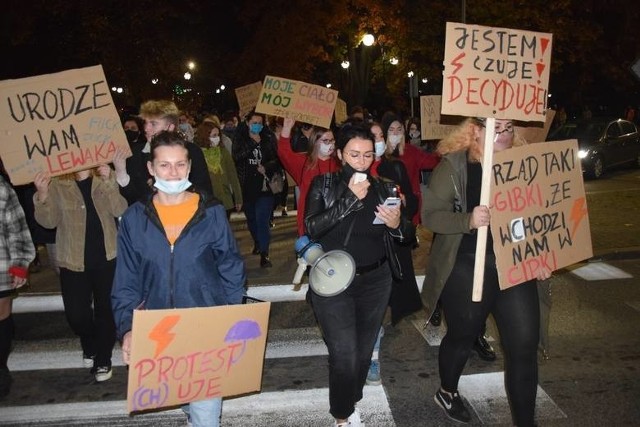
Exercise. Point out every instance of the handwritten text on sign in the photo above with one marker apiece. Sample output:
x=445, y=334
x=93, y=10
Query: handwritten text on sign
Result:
x=301, y=101
x=539, y=212
x=496, y=72
x=247, y=97
x=58, y=123
x=186, y=355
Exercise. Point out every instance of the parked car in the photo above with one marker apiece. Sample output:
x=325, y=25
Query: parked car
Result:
x=603, y=143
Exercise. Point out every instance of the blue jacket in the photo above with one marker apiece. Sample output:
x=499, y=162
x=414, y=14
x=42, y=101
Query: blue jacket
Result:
x=202, y=269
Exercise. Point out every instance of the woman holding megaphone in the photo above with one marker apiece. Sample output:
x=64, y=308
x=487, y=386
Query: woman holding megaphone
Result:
x=346, y=210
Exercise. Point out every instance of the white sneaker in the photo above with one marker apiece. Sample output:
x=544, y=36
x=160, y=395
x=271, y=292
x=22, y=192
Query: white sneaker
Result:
x=103, y=373
x=352, y=421
x=87, y=361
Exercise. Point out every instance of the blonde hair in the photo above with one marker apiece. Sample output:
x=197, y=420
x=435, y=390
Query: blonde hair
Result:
x=463, y=138
x=160, y=108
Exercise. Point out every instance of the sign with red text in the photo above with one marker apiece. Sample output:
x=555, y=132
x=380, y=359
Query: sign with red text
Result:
x=58, y=123
x=496, y=72
x=186, y=355
x=247, y=97
x=303, y=102
x=539, y=216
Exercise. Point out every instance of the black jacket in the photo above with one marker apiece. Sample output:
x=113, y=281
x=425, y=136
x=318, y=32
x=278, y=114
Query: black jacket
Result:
x=330, y=201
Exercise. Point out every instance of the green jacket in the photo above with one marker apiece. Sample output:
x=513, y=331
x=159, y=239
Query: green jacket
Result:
x=226, y=186
x=445, y=213
x=64, y=209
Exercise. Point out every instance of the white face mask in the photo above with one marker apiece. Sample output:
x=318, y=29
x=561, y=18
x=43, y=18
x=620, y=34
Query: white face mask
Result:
x=172, y=187
x=394, y=140
x=326, y=150
x=380, y=147
x=414, y=134
x=215, y=140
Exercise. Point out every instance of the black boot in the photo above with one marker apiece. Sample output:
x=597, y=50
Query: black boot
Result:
x=265, y=261
x=484, y=349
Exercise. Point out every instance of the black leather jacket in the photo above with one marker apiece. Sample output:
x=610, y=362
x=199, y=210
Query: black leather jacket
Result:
x=330, y=201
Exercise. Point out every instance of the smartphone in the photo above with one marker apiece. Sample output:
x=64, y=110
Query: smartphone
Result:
x=359, y=177
x=390, y=201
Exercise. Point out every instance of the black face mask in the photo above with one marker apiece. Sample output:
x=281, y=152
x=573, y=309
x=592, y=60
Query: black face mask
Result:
x=132, y=135
x=348, y=171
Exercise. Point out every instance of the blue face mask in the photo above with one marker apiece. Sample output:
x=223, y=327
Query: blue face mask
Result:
x=172, y=187
x=380, y=148
x=255, y=127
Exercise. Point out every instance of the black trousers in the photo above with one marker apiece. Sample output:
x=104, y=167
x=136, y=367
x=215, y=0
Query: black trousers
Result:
x=87, y=306
x=518, y=318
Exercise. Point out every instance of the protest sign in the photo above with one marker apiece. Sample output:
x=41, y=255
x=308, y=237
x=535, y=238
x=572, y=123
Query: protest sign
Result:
x=58, y=123
x=341, y=111
x=535, y=131
x=496, y=72
x=303, y=102
x=247, y=97
x=430, y=125
x=539, y=216
x=185, y=355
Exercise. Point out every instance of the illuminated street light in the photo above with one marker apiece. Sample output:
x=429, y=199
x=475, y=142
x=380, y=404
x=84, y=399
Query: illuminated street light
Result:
x=393, y=61
x=328, y=85
x=368, y=40
x=218, y=90
x=425, y=80
x=154, y=81
x=345, y=64
x=410, y=74
x=191, y=65
x=187, y=76
x=222, y=87
x=120, y=90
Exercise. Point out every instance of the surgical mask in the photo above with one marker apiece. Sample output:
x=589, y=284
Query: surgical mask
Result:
x=325, y=149
x=255, y=127
x=394, y=140
x=215, y=140
x=172, y=187
x=184, y=127
x=380, y=147
x=414, y=134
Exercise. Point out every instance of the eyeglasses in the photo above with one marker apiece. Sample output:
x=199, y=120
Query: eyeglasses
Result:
x=508, y=128
x=327, y=141
x=369, y=155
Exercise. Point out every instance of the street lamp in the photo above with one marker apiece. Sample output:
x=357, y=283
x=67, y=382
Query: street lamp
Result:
x=191, y=65
x=345, y=64
x=368, y=40
x=154, y=81
x=187, y=76
x=393, y=61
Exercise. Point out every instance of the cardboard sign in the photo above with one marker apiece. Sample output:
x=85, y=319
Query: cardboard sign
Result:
x=186, y=355
x=430, y=126
x=248, y=97
x=539, y=216
x=341, y=111
x=303, y=102
x=58, y=123
x=496, y=72
x=537, y=132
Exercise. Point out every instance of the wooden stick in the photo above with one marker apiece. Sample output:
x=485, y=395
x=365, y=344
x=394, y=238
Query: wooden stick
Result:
x=481, y=245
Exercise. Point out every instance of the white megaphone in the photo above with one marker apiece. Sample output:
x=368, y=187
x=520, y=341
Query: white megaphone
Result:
x=331, y=273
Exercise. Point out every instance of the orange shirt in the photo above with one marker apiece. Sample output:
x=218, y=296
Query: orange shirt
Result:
x=175, y=217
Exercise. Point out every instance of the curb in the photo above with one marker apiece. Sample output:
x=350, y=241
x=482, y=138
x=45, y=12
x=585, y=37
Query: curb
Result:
x=616, y=254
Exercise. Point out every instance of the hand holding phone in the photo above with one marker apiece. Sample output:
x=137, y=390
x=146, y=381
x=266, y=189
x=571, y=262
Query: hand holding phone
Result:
x=389, y=202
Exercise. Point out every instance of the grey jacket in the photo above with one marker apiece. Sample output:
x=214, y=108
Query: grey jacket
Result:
x=446, y=215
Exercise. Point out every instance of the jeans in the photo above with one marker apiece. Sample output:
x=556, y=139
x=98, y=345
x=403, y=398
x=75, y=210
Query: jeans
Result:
x=87, y=305
x=258, y=213
x=350, y=324
x=204, y=413
x=517, y=316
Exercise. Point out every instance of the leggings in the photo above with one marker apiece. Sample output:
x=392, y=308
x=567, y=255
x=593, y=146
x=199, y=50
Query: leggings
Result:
x=518, y=318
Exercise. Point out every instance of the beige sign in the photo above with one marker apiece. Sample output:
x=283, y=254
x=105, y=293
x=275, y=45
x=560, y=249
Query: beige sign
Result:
x=539, y=216
x=537, y=132
x=496, y=72
x=186, y=355
x=431, y=128
x=341, y=111
x=247, y=97
x=58, y=123
x=301, y=101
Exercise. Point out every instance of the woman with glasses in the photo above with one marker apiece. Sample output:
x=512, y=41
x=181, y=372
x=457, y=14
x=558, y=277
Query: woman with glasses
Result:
x=454, y=213
x=303, y=167
x=341, y=209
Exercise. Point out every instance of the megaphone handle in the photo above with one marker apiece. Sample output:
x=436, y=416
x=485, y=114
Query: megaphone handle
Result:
x=302, y=266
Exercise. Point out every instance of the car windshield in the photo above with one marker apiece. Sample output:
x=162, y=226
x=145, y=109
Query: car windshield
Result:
x=581, y=130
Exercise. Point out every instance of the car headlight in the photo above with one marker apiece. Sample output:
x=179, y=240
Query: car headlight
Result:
x=583, y=153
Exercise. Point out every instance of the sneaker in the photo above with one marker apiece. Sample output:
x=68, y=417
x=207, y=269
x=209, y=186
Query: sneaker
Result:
x=103, y=373
x=87, y=361
x=284, y=212
x=373, y=376
x=352, y=421
x=453, y=406
x=265, y=262
x=5, y=382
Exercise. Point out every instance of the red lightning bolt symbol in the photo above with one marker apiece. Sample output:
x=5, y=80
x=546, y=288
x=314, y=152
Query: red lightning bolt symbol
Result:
x=456, y=62
x=161, y=333
x=578, y=212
